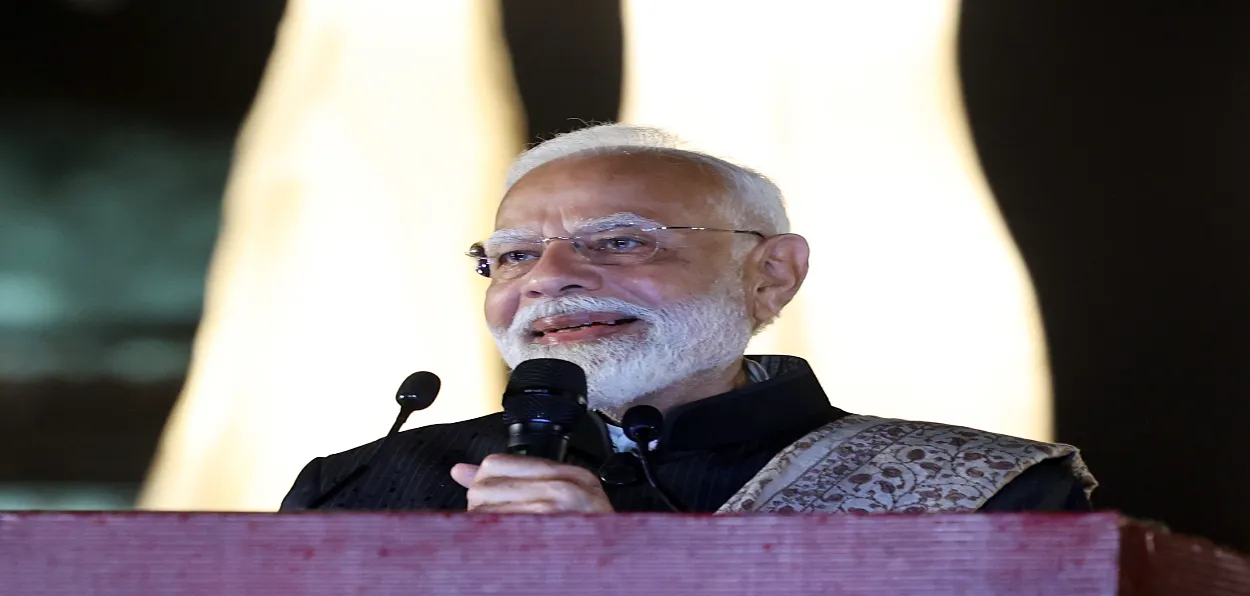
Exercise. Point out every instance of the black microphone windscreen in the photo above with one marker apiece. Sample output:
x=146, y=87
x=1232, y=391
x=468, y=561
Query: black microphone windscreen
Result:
x=642, y=424
x=545, y=389
x=541, y=408
x=418, y=391
x=548, y=374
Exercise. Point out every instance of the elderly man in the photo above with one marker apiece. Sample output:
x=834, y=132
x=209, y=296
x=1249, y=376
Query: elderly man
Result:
x=651, y=267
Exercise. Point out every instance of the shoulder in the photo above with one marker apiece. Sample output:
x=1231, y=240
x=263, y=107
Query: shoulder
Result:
x=1023, y=474
x=420, y=456
x=879, y=465
x=449, y=436
x=1050, y=485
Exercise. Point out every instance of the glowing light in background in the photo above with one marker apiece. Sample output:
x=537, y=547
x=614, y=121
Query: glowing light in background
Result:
x=917, y=305
x=375, y=151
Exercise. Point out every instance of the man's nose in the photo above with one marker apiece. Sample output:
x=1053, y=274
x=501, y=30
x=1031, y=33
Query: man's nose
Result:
x=561, y=271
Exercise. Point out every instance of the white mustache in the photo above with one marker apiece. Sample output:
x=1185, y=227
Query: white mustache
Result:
x=568, y=305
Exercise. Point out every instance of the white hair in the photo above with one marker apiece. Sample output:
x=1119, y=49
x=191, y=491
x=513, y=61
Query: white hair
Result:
x=753, y=202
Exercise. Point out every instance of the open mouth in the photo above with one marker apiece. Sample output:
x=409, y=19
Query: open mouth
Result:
x=557, y=330
x=579, y=325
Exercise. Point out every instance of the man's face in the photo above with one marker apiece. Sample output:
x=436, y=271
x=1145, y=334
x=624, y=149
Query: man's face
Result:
x=632, y=327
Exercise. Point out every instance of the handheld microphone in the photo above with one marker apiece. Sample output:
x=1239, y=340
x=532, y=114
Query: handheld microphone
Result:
x=417, y=392
x=542, y=404
x=642, y=425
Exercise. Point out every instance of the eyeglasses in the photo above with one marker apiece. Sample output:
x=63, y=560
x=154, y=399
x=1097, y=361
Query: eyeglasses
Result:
x=619, y=246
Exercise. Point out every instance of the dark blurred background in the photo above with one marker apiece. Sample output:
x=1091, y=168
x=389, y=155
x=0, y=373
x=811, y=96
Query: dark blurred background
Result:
x=117, y=119
x=1117, y=143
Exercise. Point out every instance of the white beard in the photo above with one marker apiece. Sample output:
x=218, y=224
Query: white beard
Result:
x=676, y=343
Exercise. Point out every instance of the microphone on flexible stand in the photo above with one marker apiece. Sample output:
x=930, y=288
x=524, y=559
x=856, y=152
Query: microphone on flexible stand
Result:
x=642, y=425
x=417, y=392
x=542, y=405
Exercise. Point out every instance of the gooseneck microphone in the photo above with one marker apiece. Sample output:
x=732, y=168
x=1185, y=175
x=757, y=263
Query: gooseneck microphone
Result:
x=642, y=425
x=417, y=392
x=542, y=404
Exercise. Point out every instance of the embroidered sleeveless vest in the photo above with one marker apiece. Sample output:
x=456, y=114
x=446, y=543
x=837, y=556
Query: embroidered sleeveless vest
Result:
x=863, y=464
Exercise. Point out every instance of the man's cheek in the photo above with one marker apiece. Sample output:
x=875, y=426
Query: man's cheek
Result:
x=500, y=308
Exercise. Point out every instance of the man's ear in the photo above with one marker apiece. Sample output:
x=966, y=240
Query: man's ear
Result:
x=779, y=266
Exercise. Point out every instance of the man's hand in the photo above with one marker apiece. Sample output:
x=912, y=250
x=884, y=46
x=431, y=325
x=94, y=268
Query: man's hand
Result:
x=520, y=484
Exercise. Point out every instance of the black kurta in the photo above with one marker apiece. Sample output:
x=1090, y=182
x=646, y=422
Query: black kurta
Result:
x=708, y=450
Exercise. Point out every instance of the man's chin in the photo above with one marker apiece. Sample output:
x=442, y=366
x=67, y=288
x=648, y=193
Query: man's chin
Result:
x=589, y=350
x=586, y=354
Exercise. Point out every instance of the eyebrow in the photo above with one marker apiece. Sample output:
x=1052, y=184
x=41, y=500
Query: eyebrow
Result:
x=616, y=220
x=593, y=225
x=509, y=236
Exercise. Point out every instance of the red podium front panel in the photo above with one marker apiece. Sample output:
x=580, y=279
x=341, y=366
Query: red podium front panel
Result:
x=634, y=554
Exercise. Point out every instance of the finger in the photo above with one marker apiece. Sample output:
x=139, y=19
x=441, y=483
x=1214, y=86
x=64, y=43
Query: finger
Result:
x=503, y=490
x=534, y=468
x=562, y=495
x=464, y=474
x=517, y=507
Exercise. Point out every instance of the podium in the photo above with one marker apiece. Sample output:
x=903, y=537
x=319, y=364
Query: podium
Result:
x=141, y=553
